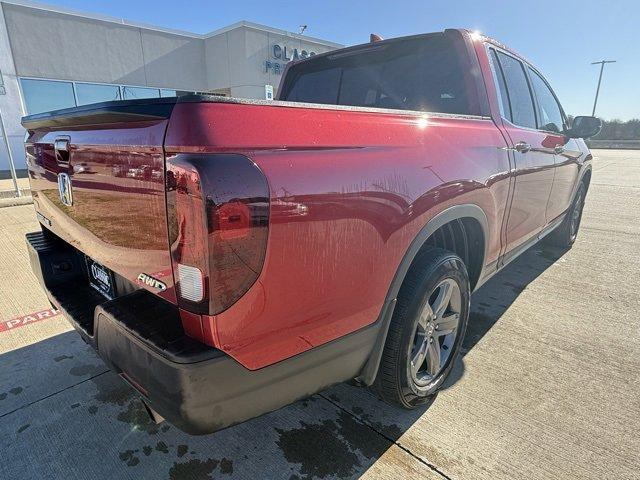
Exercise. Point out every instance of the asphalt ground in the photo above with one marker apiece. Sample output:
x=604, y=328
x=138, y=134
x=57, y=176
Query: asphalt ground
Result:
x=548, y=386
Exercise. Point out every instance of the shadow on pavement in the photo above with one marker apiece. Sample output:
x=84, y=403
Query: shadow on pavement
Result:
x=492, y=300
x=56, y=396
x=488, y=304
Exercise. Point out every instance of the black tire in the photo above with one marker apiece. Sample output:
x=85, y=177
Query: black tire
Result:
x=565, y=235
x=398, y=381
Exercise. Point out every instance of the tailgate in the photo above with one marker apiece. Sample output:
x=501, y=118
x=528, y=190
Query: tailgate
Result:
x=97, y=178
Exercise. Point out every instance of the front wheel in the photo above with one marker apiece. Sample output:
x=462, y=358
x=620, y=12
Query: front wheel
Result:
x=426, y=330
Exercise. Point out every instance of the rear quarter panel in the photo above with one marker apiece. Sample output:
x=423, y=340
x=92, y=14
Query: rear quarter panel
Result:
x=349, y=192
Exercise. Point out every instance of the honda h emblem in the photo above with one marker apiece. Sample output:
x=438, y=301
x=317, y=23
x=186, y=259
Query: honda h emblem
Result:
x=64, y=189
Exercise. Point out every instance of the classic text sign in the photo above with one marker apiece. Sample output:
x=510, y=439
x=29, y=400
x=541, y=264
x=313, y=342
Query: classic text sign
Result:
x=282, y=55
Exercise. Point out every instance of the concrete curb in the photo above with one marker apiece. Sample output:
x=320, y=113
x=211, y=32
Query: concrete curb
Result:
x=12, y=202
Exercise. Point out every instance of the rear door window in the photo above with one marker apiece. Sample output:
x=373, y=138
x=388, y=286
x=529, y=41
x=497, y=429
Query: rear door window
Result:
x=424, y=73
x=501, y=86
x=521, y=106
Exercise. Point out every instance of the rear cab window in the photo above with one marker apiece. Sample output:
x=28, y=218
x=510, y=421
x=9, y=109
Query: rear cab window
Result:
x=425, y=73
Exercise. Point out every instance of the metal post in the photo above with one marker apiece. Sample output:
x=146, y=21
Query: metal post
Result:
x=595, y=102
x=601, y=63
x=12, y=166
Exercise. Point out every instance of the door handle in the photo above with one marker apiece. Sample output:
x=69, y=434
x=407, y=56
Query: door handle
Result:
x=522, y=147
x=558, y=149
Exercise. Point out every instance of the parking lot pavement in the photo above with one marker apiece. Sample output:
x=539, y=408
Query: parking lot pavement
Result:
x=7, y=192
x=548, y=387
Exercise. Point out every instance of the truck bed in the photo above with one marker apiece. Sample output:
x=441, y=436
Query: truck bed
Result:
x=335, y=185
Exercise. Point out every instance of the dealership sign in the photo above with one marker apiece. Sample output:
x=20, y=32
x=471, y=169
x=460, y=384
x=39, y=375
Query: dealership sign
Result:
x=281, y=55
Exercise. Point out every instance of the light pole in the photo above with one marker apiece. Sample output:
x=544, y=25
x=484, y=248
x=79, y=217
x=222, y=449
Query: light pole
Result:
x=601, y=63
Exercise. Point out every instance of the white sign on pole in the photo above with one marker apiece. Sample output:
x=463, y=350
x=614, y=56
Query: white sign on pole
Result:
x=268, y=92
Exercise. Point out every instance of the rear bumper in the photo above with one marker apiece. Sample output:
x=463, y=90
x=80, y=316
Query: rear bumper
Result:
x=196, y=387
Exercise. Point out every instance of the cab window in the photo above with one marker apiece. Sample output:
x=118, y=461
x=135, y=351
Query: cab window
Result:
x=427, y=73
x=549, y=111
x=501, y=86
x=521, y=107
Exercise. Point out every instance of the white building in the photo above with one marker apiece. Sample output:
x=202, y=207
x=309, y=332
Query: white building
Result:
x=54, y=58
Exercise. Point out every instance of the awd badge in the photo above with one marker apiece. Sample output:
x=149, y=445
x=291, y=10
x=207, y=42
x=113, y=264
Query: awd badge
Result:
x=150, y=281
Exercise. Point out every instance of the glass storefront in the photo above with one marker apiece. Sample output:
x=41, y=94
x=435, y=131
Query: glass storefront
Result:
x=46, y=95
x=93, y=93
x=43, y=95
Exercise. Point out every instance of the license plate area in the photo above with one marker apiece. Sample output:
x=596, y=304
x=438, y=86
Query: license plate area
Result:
x=100, y=278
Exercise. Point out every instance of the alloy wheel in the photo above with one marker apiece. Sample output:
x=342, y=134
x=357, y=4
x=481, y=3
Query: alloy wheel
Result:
x=576, y=213
x=436, y=332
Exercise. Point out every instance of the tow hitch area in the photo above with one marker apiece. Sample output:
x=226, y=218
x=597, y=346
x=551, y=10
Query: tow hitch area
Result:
x=153, y=415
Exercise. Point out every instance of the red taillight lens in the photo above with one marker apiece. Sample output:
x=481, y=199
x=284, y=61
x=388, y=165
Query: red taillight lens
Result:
x=218, y=209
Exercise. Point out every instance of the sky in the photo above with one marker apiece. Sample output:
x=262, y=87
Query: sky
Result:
x=560, y=37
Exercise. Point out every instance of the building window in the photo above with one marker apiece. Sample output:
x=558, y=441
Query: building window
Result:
x=131, y=93
x=94, y=93
x=46, y=95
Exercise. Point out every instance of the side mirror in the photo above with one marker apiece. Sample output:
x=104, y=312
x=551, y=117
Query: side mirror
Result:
x=584, y=127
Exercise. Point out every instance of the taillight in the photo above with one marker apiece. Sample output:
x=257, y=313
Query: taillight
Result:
x=218, y=210
x=191, y=282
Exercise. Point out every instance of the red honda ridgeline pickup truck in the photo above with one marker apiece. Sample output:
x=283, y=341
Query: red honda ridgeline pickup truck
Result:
x=276, y=248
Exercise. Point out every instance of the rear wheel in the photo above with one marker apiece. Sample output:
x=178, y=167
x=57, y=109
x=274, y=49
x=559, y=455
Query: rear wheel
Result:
x=426, y=329
x=565, y=235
